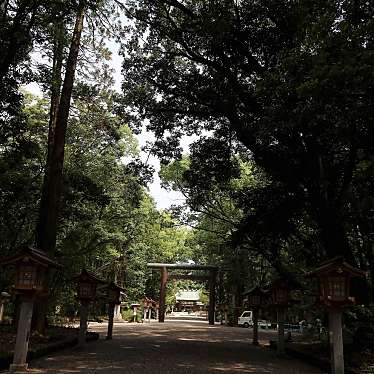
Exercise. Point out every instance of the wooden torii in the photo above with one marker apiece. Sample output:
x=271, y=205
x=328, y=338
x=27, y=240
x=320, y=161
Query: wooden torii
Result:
x=211, y=277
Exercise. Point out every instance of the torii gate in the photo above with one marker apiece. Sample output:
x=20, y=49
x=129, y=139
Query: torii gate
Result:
x=211, y=277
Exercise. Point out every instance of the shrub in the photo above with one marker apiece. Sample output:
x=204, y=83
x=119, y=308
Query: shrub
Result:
x=128, y=315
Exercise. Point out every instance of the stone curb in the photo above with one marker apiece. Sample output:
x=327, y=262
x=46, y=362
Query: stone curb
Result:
x=33, y=354
x=316, y=361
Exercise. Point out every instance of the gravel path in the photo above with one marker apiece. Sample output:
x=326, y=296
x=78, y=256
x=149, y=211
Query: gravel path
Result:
x=173, y=347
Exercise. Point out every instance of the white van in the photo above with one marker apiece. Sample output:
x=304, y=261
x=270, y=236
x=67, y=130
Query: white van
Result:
x=246, y=319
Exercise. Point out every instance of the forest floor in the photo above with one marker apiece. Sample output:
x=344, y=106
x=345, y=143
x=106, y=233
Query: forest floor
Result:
x=176, y=347
x=53, y=335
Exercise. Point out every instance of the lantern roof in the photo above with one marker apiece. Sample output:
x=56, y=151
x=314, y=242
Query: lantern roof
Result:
x=104, y=287
x=86, y=276
x=27, y=253
x=279, y=283
x=254, y=291
x=148, y=301
x=115, y=287
x=123, y=294
x=339, y=265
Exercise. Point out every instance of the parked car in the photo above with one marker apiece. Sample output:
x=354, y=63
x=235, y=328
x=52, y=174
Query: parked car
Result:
x=245, y=319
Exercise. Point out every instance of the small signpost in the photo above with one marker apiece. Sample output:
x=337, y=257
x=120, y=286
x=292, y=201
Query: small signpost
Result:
x=31, y=280
x=334, y=280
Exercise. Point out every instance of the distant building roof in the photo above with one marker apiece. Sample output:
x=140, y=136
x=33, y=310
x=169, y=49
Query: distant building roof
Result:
x=185, y=295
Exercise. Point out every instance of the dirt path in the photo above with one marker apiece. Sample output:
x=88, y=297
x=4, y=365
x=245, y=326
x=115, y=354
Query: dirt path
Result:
x=172, y=347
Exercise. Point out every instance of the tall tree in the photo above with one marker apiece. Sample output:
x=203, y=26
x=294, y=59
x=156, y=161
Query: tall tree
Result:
x=290, y=82
x=49, y=206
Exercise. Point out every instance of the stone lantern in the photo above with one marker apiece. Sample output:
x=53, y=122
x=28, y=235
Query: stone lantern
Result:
x=255, y=299
x=86, y=292
x=334, y=281
x=31, y=279
x=114, y=298
x=135, y=307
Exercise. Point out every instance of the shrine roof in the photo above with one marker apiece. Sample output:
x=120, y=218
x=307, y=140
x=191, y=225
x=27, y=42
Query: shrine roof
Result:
x=185, y=295
x=29, y=252
x=156, y=265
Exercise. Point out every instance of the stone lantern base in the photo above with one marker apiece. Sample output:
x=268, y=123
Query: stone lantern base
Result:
x=18, y=368
x=117, y=313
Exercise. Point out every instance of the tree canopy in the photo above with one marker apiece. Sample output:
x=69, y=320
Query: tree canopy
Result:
x=278, y=97
x=285, y=85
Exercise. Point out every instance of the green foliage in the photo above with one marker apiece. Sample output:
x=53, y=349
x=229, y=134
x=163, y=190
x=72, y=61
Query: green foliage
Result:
x=360, y=321
x=280, y=178
x=128, y=315
x=204, y=297
x=286, y=86
x=20, y=177
x=171, y=292
x=107, y=223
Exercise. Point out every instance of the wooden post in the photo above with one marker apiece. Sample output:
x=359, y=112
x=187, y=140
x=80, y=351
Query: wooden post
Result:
x=149, y=315
x=23, y=336
x=110, y=322
x=164, y=278
x=255, y=326
x=336, y=340
x=280, y=320
x=83, y=322
x=212, y=296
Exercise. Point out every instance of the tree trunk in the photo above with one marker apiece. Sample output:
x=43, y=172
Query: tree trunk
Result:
x=40, y=305
x=49, y=206
x=52, y=185
x=58, y=48
x=58, y=51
